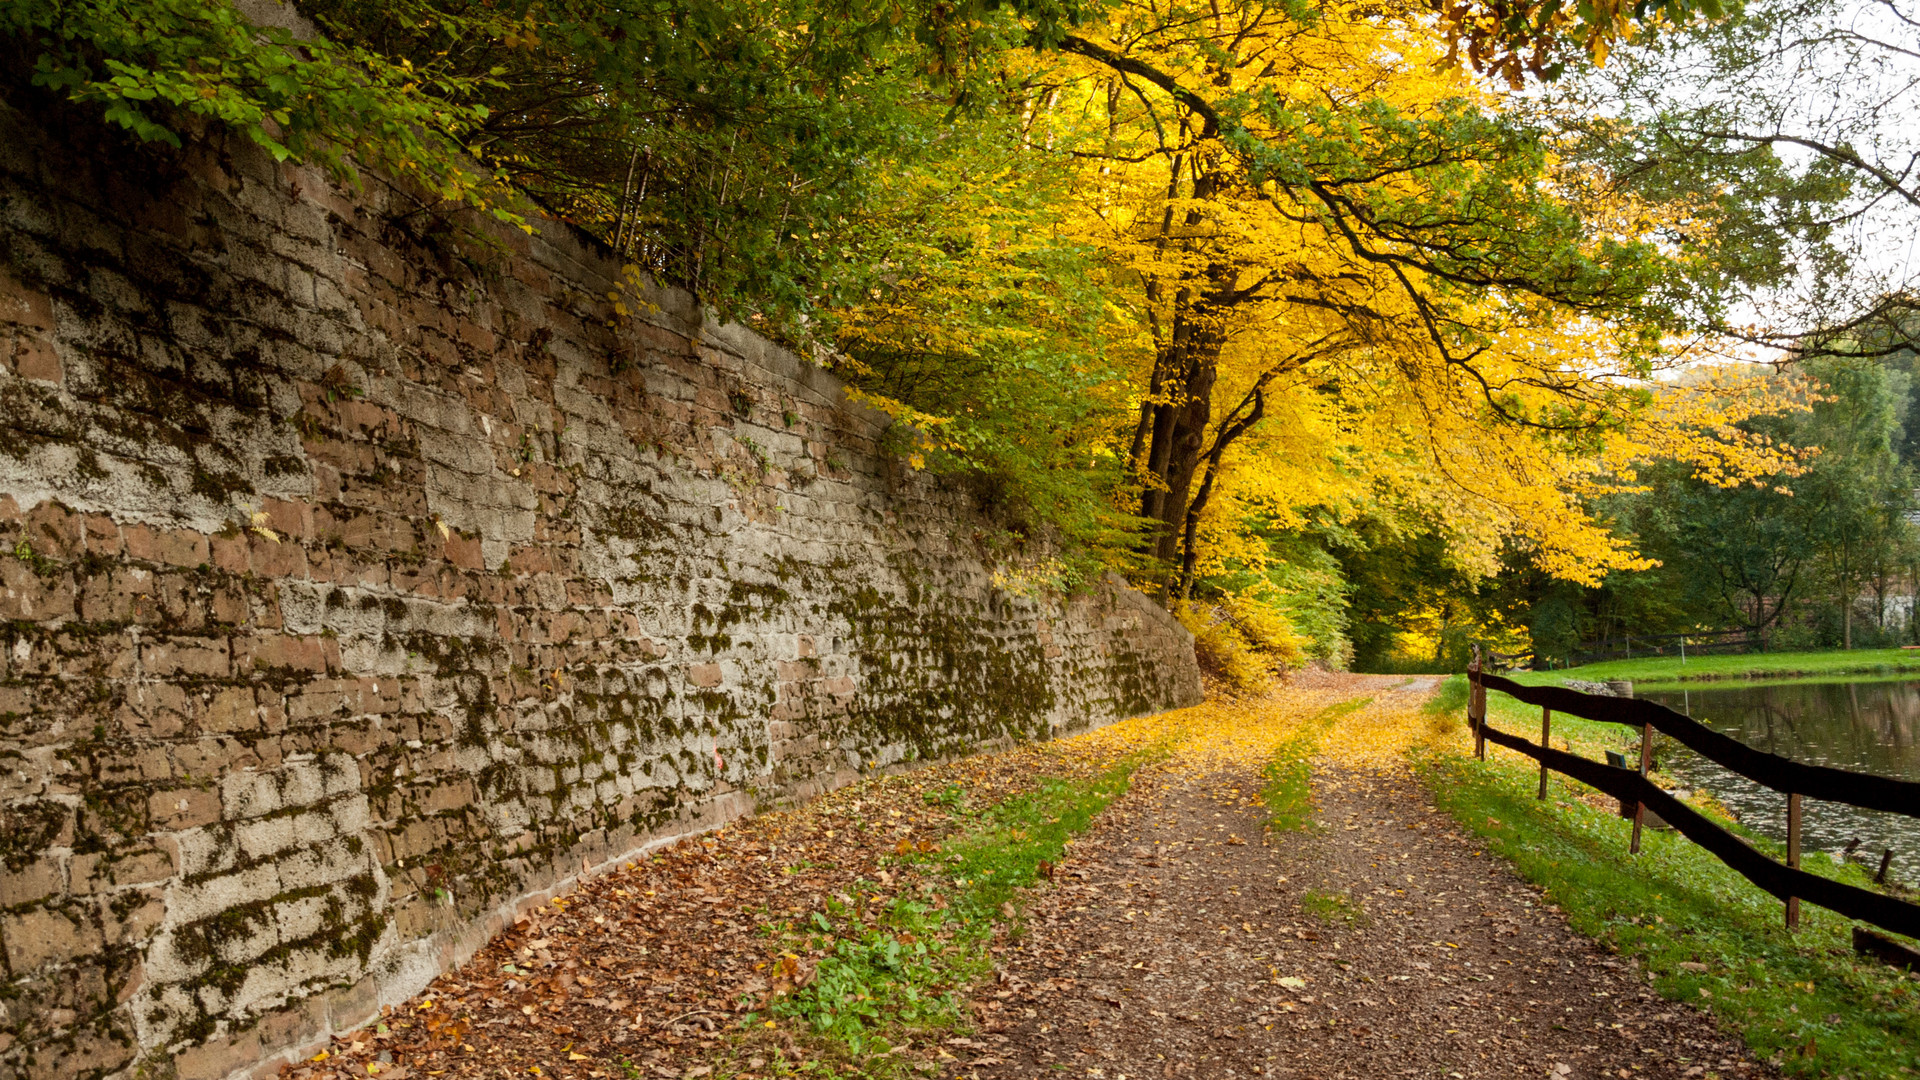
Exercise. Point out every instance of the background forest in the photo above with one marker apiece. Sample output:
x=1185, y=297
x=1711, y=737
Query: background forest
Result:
x=1353, y=331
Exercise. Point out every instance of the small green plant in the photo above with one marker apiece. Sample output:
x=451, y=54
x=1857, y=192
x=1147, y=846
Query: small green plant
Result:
x=952, y=797
x=898, y=972
x=336, y=384
x=1332, y=907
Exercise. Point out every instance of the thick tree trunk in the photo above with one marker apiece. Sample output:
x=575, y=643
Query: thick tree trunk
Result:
x=1176, y=445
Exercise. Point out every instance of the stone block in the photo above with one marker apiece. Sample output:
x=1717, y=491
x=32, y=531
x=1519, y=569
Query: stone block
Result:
x=23, y=305
x=28, y=595
x=207, y=657
x=230, y=709
x=279, y=651
x=34, y=357
x=174, y=547
x=183, y=808
x=215, y=1058
x=42, y=936
x=32, y=883
x=132, y=916
x=55, y=532
x=96, y=872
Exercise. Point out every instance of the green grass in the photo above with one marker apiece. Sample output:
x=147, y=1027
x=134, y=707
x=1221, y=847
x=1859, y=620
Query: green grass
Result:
x=1332, y=907
x=898, y=973
x=1705, y=934
x=1288, y=791
x=1754, y=665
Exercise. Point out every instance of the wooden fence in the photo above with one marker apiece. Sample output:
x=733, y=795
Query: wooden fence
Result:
x=1791, y=778
x=1628, y=646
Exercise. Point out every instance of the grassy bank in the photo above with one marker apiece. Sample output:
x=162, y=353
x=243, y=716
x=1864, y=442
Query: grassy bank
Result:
x=1751, y=666
x=1705, y=935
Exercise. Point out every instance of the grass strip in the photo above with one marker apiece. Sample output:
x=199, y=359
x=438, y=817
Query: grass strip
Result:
x=1834, y=663
x=896, y=973
x=1288, y=791
x=1705, y=934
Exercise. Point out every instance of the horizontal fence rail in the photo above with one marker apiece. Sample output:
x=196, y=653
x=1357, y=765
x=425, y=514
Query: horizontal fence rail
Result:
x=1701, y=643
x=1794, y=779
x=1864, y=790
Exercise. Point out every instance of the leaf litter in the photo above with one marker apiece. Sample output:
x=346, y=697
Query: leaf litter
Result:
x=1196, y=929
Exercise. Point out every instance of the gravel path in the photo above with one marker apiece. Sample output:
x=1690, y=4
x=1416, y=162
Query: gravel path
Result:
x=1185, y=942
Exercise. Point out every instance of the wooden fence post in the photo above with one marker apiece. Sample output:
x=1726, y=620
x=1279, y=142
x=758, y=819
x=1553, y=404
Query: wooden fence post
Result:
x=1640, y=808
x=1477, y=705
x=1546, y=730
x=1793, y=854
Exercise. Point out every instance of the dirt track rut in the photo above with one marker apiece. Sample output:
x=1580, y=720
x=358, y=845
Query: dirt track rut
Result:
x=1184, y=941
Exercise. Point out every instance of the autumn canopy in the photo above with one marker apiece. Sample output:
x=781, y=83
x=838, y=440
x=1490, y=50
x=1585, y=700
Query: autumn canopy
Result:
x=1204, y=292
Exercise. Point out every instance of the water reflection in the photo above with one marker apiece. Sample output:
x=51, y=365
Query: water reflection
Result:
x=1871, y=727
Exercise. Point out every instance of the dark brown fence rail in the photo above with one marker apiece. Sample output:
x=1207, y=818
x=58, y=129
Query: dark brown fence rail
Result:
x=1793, y=779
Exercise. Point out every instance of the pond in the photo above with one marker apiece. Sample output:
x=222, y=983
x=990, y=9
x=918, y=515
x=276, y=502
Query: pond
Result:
x=1865, y=726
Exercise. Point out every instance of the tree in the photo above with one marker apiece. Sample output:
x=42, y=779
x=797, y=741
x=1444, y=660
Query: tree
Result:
x=1311, y=195
x=1790, y=122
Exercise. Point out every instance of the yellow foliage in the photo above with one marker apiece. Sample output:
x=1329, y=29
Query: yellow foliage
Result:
x=1387, y=388
x=1246, y=733
x=1241, y=640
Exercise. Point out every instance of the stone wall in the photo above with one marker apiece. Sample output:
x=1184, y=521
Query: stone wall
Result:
x=362, y=579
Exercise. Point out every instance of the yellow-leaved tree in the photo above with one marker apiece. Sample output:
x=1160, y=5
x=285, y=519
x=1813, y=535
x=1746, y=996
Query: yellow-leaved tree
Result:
x=1207, y=270
x=1365, y=279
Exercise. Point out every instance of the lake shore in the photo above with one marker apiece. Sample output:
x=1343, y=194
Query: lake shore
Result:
x=1780, y=665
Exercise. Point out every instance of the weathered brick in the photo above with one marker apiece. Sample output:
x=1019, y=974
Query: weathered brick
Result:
x=183, y=808
x=215, y=1058
x=34, y=357
x=34, y=882
x=37, y=937
x=230, y=709
x=23, y=305
x=99, y=872
x=176, y=547
x=209, y=657
x=102, y=535
x=30, y=595
x=265, y=652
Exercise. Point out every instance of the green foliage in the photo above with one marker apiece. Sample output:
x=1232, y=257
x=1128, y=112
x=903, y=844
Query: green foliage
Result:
x=1788, y=558
x=1706, y=936
x=895, y=972
x=730, y=146
x=155, y=66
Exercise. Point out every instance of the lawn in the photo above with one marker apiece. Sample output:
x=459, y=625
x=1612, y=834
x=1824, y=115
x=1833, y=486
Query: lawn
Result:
x=1706, y=935
x=1753, y=665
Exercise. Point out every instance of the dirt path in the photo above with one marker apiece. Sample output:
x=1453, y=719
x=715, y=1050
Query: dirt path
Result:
x=1185, y=942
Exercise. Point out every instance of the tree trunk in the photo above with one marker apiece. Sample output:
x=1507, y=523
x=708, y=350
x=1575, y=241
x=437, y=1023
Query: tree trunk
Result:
x=1176, y=441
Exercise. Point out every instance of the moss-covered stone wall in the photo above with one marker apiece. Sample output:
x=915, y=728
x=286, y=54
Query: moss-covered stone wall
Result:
x=363, y=575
